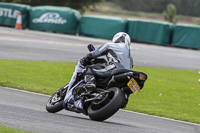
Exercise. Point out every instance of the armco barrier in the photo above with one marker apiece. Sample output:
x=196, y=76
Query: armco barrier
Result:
x=187, y=36
x=150, y=31
x=10, y=11
x=101, y=26
x=56, y=19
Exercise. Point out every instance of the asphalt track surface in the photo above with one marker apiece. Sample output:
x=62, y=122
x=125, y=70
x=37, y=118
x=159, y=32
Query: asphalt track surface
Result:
x=26, y=111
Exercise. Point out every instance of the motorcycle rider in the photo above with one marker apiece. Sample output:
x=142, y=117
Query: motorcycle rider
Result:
x=118, y=57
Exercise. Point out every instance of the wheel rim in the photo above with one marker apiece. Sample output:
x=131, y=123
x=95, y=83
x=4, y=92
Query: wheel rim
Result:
x=55, y=99
x=96, y=105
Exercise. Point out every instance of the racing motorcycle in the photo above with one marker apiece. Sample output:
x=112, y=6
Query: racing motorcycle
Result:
x=110, y=94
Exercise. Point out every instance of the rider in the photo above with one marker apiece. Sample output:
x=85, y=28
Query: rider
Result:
x=118, y=56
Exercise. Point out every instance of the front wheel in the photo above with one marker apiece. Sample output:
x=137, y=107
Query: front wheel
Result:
x=102, y=110
x=55, y=102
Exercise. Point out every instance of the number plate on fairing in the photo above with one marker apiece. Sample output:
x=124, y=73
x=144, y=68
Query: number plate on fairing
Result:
x=133, y=85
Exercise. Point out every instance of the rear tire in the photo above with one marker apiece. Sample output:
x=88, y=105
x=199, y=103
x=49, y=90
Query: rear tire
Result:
x=116, y=100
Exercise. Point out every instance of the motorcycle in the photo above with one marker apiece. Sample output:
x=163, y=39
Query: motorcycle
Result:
x=110, y=94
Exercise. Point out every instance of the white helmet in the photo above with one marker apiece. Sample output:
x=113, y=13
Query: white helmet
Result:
x=122, y=37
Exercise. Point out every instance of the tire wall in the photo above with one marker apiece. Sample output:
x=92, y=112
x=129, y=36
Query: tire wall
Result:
x=55, y=19
x=101, y=26
x=9, y=13
x=187, y=36
x=69, y=21
x=150, y=31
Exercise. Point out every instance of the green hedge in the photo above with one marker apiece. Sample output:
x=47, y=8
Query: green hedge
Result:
x=56, y=19
x=101, y=26
x=150, y=31
x=187, y=36
x=9, y=13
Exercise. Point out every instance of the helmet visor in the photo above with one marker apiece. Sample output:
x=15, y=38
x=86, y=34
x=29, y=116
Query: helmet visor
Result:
x=121, y=39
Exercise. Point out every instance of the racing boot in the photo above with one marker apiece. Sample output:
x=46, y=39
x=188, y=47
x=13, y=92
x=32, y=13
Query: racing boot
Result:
x=90, y=82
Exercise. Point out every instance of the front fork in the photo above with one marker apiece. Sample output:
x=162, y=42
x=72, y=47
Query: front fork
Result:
x=69, y=97
x=75, y=105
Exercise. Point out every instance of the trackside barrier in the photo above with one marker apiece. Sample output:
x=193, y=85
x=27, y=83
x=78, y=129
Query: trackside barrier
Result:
x=9, y=13
x=150, y=31
x=56, y=19
x=187, y=36
x=101, y=26
x=67, y=20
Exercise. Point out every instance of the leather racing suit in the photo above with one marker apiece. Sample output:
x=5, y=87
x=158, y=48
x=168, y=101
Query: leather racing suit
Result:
x=118, y=57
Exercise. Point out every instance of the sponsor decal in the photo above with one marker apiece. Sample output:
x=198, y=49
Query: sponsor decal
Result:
x=6, y=12
x=50, y=17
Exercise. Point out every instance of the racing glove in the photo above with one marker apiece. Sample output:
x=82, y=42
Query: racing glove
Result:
x=86, y=60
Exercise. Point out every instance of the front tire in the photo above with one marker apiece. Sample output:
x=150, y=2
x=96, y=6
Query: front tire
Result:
x=115, y=101
x=55, y=103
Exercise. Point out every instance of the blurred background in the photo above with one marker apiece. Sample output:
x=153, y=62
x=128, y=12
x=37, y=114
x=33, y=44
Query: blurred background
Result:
x=178, y=11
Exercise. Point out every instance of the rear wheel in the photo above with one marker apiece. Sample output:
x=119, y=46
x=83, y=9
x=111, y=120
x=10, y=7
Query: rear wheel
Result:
x=55, y=102
x=108, y=106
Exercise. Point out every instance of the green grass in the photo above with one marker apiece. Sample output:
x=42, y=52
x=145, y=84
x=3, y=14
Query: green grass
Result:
x=10, y=130
x=170, y=93
x=42, y=77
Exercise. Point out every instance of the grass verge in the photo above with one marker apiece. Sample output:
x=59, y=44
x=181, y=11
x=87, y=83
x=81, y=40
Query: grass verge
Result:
x=169, y=93
x=10, y=130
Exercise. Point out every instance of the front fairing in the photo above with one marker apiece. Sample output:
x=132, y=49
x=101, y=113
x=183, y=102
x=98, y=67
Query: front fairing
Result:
x=78, y=69
x=69, y=98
